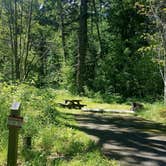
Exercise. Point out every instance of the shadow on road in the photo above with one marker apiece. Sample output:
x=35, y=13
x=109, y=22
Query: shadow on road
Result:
x=130, y=140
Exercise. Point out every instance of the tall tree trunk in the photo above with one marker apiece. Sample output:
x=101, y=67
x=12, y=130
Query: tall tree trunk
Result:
x=17, y=59
x=165, y=91
x=165, y=80
x=11, y=29
x=158, y=14
x=98, y=29
x=80, y=75
x=60, y=7
x=42, y=61
x=28, y=37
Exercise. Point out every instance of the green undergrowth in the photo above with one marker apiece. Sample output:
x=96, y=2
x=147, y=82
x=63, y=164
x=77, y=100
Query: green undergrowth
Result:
x=54, y=140
x=155, y=112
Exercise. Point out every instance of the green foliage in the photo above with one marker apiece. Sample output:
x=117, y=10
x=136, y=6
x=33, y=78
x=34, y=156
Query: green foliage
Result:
x=128, y=68
x=53, y=129
x=30, y=127
x=122, y=47
x=67, y=76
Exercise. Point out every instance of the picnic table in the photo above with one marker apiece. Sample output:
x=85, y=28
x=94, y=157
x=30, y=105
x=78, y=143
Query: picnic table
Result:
x=75, y=104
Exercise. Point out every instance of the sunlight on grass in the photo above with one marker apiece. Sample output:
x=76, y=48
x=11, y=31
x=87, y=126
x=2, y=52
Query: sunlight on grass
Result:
x=90, y=102
x=155, y=112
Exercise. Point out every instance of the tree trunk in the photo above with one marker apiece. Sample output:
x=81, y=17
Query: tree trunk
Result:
x=165, y=92
x=17, y=59
x=60, y=7
x=98, y=29
x=10, y=20
x=42, y=61
x=165, y=79
x=28, y=37
x=161, y=27
x=80, y=75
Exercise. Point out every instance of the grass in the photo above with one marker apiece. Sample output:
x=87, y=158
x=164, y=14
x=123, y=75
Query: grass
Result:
x=155, y=112
x=87, y=159
x=53, y=142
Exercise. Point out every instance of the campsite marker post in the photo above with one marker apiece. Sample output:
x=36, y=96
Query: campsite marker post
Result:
x=14, y=124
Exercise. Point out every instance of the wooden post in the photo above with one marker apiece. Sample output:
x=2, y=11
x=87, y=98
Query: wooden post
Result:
x=27, y=142
x=14, y=123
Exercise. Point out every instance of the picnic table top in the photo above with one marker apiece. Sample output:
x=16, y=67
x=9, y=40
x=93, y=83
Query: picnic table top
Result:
x=72, y=104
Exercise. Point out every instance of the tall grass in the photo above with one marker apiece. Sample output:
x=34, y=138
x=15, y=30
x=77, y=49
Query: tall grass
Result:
x=155, y=112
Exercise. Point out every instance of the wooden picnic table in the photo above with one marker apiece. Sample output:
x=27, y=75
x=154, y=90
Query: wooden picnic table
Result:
x=72, y=104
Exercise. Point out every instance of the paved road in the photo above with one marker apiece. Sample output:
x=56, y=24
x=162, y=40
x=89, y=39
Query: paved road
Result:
x=131, y=140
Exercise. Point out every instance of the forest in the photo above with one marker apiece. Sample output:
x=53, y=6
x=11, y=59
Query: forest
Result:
x=105, y=53
x=111, y=47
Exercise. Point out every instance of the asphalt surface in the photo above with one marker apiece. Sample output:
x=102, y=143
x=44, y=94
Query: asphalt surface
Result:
x=130, y=140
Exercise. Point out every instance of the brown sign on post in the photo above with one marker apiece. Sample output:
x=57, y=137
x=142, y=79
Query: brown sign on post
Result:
x=14, y=123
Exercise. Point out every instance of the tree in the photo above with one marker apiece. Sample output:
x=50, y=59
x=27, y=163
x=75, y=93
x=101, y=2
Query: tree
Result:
x=158, y=12
x=98, y=45
x=82, y=51
x=19, y=19
x=124, y=69
x=62, y=25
